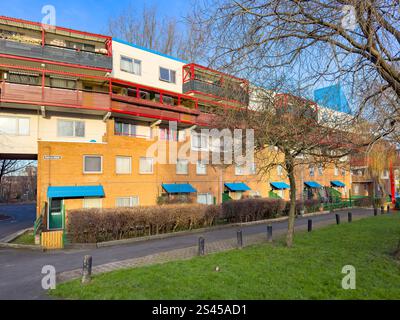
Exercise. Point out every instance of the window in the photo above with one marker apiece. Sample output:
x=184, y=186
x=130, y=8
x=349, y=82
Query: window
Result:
x=63, y=83
x=125, y=129
x=343, y=172
x=70, y=128
x=182, y=166
x=240, y=170
x=279, y=169
x=146, y=165
x=123, y=165
x=127, y=201
x=356, y=189
x=320, y=170
x=131, y=65
x=167, y=75
x=312, y=169
x=14, y=126
x=385, y=174
x=336, y=171
x=201, y=168
x=253, y=168
x=93, y=164
x=205, y=198
x=199, y=141
x=92, y=203
x=81, y=46
x=168, y=134
x=23, y=78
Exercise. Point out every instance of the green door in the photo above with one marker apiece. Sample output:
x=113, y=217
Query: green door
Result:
x=56, y=215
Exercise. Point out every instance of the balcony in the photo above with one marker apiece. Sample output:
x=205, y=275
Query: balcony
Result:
x=56, y=54
x=214, y=85
x=37, y=95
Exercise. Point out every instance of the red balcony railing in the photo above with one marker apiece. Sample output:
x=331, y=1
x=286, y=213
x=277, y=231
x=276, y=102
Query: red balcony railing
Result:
x=121, y=96
x=214, y=85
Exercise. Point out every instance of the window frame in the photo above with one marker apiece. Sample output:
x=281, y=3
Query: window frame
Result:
x=73, y=128
x=133, y=61
x=170, y=71
x=197, y=168
x=152, y=165
x=201, y=137
x=91, y=198
x=187, y=166
x=116, y=165
x=18, y=126
x=92, y=172
x=130, y=201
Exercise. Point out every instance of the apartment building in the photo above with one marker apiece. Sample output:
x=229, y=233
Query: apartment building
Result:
x=95, y=112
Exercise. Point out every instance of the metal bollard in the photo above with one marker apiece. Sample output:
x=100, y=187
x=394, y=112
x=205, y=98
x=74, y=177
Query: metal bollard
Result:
x=87, y=269
x=309, y=225
x=349, y=216
x=201, y=246
x=375, y=211
x=239, y=238
x=337, y=218
x=269, y=233
x=382, y=210
x=388, y=208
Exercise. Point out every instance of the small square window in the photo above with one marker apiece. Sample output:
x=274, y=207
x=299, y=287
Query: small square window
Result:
x=182, y=166
x=92, y=164
x=146, y=165
x=167, y=75
x=123, y=165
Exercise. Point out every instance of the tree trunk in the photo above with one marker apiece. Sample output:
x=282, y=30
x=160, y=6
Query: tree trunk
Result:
x=292, y=208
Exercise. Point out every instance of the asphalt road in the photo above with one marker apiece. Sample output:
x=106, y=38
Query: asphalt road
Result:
x=22, y=216
x=20, y=270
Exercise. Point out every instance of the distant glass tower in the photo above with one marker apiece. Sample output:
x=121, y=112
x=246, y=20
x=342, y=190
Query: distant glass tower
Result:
x=332, y=97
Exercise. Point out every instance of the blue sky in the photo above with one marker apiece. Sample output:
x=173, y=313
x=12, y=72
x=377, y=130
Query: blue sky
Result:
x=87, y=15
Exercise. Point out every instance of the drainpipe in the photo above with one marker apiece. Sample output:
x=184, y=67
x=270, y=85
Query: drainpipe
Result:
x=392, y=186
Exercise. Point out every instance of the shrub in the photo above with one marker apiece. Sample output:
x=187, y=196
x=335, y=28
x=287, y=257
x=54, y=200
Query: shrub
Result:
x=245, y=210
x=96, y=225
x=364, y=202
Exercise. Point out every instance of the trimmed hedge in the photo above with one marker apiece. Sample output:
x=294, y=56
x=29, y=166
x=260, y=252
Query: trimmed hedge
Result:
x=246, y=210
x=97, y=225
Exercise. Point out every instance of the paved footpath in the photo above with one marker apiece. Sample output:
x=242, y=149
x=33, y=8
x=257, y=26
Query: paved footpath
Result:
x=20, y=270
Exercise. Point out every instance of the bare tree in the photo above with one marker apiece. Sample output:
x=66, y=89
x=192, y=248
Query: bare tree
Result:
x=290, y=132
x=9, y=167
x=356, y=43
x=147, y=28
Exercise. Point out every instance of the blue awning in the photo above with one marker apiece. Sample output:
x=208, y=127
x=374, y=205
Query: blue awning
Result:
x=237, y=186
x=75, y=191
x=178, y=188
x=312, y=184
x=337, y=183
x=279, y=185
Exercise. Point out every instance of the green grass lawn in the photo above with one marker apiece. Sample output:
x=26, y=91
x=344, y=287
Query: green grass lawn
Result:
x=25, y=238
x=309, y=270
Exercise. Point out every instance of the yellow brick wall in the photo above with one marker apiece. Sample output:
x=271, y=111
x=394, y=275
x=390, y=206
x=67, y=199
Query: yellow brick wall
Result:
x=69, y=171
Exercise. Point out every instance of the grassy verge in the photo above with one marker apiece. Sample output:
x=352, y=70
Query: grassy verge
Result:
x=25, y=238
x=309, y=270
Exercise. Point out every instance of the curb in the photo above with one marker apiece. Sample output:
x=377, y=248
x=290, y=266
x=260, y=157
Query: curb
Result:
x=21, y=246
x=15, y=235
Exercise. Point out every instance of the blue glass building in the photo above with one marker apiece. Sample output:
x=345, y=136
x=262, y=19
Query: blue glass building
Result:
x=332, y=97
